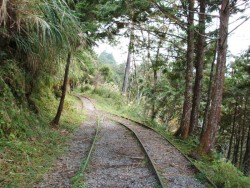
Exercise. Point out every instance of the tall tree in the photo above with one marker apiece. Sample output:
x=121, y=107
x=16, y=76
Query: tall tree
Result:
x=233, y=131
x=56, y=120
x=199, y=62
x=246, y=161
x=209, y=90
x=187, y=106
x=155, y=65
x=128, y=63
x=208, y=138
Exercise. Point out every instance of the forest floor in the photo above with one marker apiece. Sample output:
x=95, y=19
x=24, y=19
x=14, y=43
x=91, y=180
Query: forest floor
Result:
x=118, y=159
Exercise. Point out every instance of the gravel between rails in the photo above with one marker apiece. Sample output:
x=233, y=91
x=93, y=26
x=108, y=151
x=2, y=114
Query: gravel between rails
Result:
x=67, y=165
x=176, y=171
x=118, y=160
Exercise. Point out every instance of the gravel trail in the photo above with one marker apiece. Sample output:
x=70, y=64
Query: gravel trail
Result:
x=67, y=165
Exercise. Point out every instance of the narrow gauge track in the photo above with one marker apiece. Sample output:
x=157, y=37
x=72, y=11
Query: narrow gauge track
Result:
x=210, y=182
x=162, y=184
x=180, y=174
x=77, y=178
x=146, y=135
x=157, y=174
x=117, y=160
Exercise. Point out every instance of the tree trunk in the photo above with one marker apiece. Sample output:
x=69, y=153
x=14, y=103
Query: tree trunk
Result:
x=199, y=62
x=242, y=139
x=246, y=161
x=208, y=104
x=236, y=146
x=243, y=132
x=56, y=120
x=127, y=69
x=208, y=138
x=186, y=112
x=154, y=112
x=232, y=132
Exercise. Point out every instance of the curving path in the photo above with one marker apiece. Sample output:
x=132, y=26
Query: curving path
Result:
x=118, y=159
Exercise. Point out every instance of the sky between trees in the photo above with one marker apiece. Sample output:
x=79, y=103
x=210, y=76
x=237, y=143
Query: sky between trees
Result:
x=238, y=41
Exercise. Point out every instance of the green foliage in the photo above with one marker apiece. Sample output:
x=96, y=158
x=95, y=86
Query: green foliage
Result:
x=43, y=24
x=94, y=14
x=86, y=88
x=224, y=174
x=100, y=18
x=109, y=98
x=28, y=145
x=235, y=109
x=83, y=68
x=12, y=115
x=105, y=71
x=12, y=80
x=109, y=90
x=116, y=74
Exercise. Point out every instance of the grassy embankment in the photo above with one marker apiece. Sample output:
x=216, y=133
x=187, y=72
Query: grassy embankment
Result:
x=28, y=144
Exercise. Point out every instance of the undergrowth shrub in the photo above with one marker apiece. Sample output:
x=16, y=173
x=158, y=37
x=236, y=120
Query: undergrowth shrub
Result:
x=109, y=90
x=111, y=93
x=110, y=99
x=224, y=174
x=12, y=102
x=86, y=88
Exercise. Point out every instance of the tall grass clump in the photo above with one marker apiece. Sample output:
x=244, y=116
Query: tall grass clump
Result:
x=109, y=98
x=224, y=174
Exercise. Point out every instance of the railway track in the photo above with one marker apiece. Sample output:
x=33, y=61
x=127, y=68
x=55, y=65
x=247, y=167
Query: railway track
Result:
x=170, y=167
x=210, y=182
x=161, y=182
